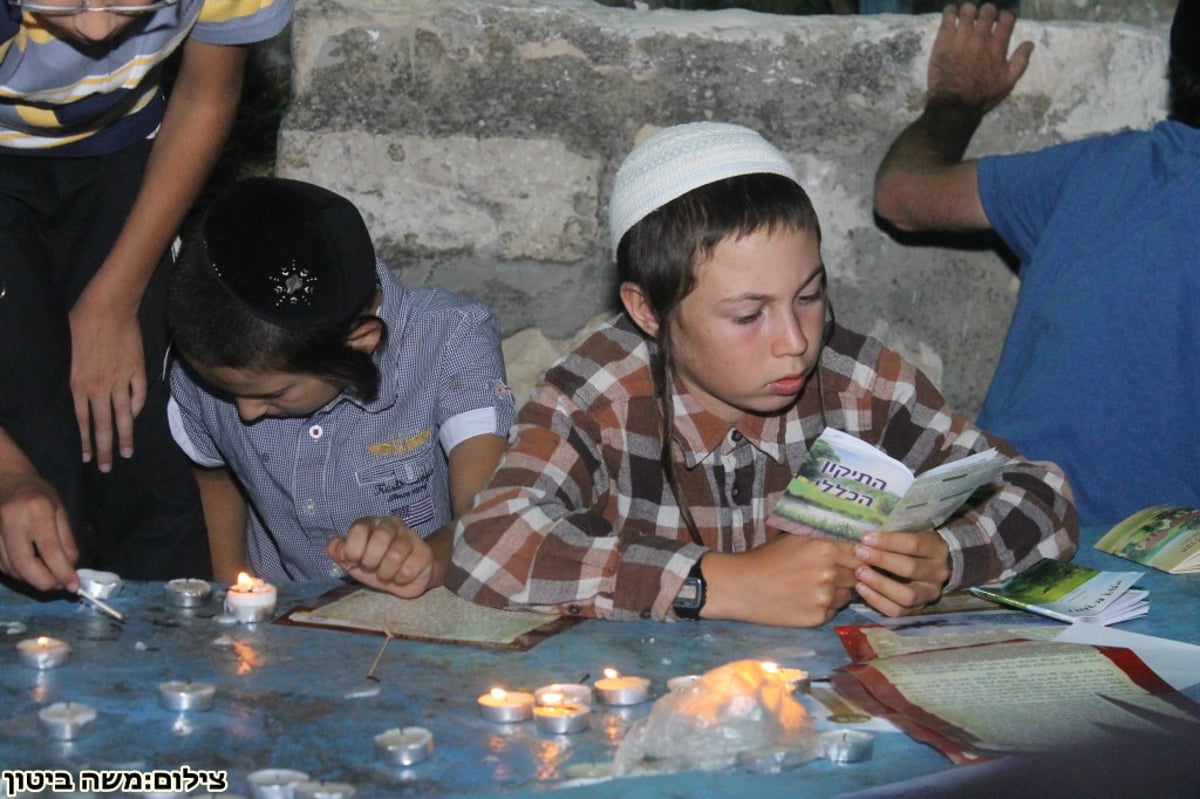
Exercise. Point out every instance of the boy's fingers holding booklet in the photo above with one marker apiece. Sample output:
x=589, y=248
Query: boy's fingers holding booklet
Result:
x=903, y=571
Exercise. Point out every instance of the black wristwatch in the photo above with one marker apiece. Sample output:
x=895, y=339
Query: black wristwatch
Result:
x=690, y=599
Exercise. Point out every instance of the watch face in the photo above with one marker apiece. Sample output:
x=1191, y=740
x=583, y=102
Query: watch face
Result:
x=689, y=594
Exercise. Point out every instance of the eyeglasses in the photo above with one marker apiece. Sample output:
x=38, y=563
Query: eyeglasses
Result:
x=69, y=8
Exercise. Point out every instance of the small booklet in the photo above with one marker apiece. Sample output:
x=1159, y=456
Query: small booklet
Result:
x=847, y=487
x=1071, y=593
x=1164, y=537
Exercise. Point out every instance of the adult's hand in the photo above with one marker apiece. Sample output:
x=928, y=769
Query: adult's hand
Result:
x=969, y=62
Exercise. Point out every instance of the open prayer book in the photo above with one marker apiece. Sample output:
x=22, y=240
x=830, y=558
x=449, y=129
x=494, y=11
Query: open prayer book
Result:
x=974, y=703
x=438, y=615
x=847, y=487
x=1071, y=593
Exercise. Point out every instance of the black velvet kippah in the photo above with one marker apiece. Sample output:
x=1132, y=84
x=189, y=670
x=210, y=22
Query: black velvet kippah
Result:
x=299, y=256
x=1185, y=36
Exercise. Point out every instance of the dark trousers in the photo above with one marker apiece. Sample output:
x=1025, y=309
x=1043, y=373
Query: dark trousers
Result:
x=58, y=220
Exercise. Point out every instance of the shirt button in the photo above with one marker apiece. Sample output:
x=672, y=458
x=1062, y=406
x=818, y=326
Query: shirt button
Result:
x=316, y=432
x=735, y=435
x=574, y=610
x=736, y=492
x=310, y=506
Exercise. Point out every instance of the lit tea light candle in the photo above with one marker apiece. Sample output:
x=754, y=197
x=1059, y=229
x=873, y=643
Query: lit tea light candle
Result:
x=506, y=707
x=98, y=584
x=250, y=599
x=681, y=683
x=571, y=693
x=557, y=717
x=797, y=679
x=43, y=652
x=618, y=689
x=274, y=783
x=406, y=746
x=181, y=696
x=187, y=592
x=66, y=721
x=847, y=746
x=322, y=790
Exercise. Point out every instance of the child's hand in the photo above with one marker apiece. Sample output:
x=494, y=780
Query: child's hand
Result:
x=383, y=552
x=904, y=571
x=791, y=581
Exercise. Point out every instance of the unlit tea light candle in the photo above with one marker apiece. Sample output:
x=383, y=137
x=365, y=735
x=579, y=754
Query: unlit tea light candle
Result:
x=250, y=599
x=322, y=790
x=406, y=746
x=182, y=696
x=618, y=689
x=275, y=783
x=187, y=592
x=66, y=721
x=99, y=584
x=555, y=716
x=506, y=707
x=847, y=746
x=43, y=652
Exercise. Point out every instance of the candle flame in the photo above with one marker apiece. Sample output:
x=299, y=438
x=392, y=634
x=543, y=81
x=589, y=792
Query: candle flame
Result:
x=499, y=694
x=43, y=640
x=612, y=674
x=770, y=667
x=552, y=698
x=245, y=582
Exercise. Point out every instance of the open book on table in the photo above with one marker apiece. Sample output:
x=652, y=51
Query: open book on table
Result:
x=977, y=702
x=847, y=487
x=1164, y=537
x=1071, y=593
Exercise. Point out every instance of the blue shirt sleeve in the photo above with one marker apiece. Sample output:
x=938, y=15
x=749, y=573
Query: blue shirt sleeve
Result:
x=1020, y=192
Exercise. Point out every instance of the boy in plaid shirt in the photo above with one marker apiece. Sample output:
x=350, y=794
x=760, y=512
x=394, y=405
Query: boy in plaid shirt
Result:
x=728, y=342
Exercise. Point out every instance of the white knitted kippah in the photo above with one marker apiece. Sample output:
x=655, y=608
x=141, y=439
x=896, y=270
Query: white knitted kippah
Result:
x=678, y=159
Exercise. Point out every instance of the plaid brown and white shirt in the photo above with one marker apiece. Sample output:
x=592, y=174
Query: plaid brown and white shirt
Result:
x=579, y=517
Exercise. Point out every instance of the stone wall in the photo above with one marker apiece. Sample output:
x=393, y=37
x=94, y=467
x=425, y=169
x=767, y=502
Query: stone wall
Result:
x=480, y=140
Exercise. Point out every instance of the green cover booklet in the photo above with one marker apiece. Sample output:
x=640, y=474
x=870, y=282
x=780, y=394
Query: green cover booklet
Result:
x=847, y=487
x=1071, y=593
x=1164, y=537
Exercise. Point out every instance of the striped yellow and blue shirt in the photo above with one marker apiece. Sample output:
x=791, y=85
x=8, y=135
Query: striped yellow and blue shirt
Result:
x=63, y=98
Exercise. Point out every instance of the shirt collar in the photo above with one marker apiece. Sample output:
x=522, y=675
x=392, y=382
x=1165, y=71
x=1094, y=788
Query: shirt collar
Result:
x=393, y=310
x=699, y=433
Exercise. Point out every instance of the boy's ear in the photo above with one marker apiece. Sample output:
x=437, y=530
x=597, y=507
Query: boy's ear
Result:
x=365, y=337
x=638, y=308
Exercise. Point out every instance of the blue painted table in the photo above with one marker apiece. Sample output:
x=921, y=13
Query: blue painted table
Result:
x=282, y=696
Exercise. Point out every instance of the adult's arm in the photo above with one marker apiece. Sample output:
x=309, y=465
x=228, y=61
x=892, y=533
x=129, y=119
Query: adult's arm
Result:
x=36, y=545
x=923, y=182
x=108, y=373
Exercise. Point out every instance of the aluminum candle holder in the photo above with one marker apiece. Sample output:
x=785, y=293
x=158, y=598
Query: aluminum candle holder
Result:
x=406, y=746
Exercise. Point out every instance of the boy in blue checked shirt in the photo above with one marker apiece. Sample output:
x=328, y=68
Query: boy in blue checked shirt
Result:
x=354, y=416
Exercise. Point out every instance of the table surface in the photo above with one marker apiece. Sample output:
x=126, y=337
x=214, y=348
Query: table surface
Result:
x=284, y=696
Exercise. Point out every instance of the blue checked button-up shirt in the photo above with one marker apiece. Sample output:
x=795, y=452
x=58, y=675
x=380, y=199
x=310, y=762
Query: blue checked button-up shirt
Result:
x=309, y=478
